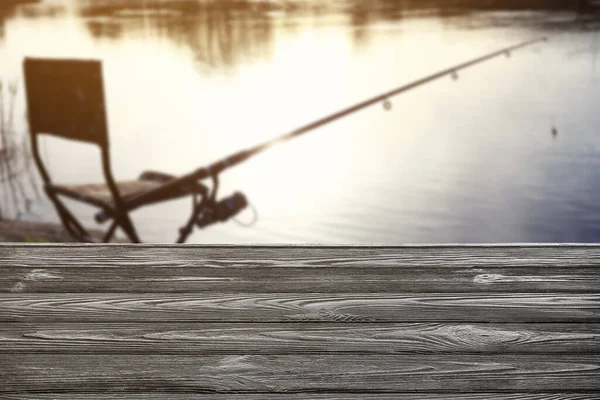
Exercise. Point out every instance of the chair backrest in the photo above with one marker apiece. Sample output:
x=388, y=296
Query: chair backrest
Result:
x=65, y=98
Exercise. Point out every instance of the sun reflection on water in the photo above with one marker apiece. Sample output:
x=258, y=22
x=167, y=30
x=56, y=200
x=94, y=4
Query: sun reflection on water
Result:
x=452, y=161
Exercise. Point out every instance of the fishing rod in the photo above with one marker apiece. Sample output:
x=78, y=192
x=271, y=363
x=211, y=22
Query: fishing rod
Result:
x=237, y=201
x=241, y=156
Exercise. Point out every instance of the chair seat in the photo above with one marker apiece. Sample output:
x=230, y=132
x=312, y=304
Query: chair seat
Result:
x=100, y=194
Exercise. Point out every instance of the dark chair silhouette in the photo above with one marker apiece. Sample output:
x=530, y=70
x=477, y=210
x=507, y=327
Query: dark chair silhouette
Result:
x=65, y=98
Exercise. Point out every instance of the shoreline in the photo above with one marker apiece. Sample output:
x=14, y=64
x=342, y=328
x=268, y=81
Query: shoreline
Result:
x=40, y=232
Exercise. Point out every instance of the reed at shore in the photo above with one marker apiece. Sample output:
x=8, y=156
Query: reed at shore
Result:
x=39, y=232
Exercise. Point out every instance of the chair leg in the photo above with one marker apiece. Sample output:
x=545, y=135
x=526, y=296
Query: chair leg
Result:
x=71, y=224
x=122, y=219
x=110, y=232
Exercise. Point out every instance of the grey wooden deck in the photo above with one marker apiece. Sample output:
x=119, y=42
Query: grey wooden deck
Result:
x=188, y=322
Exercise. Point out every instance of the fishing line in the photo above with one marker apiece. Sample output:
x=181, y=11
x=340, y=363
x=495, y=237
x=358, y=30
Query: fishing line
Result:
x=546, y=84
x=595, y=55
x=254, y=219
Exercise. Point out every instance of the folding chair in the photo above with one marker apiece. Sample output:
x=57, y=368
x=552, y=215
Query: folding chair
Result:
x=65, y=98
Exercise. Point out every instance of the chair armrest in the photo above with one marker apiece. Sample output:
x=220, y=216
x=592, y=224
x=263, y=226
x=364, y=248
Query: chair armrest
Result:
x=156, y=176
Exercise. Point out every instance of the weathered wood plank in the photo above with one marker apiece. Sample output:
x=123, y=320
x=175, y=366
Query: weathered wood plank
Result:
x=157, y=322
x=205, y=339
x=293, y=374
x=298, y=256
x=297, y=269
x=324, y=279
x=309, y=396
x=301, y=307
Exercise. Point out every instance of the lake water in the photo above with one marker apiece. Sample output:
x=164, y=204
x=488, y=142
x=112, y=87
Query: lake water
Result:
x=471, y=160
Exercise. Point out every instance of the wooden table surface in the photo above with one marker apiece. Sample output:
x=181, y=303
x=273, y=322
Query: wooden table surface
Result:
x=191, y=322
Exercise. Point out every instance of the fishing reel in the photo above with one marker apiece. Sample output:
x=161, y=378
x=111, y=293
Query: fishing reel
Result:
x=209, y=210
x=222, y=210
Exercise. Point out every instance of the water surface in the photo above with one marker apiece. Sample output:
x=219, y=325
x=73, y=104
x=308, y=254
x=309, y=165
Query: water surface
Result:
x=471, y=160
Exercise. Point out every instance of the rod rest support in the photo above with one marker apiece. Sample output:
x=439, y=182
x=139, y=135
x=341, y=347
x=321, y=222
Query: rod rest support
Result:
x=156, y=176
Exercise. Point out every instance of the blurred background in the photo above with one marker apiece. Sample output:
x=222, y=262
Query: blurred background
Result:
x=457, y=161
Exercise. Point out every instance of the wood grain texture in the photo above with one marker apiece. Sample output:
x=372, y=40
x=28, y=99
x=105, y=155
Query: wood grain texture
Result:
x=293, y=373
x=115, y=255
x=291, y=279
x=183, y=322
x=301, y=307
x=160, y=269
x=307, y=396
x=204, y=339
